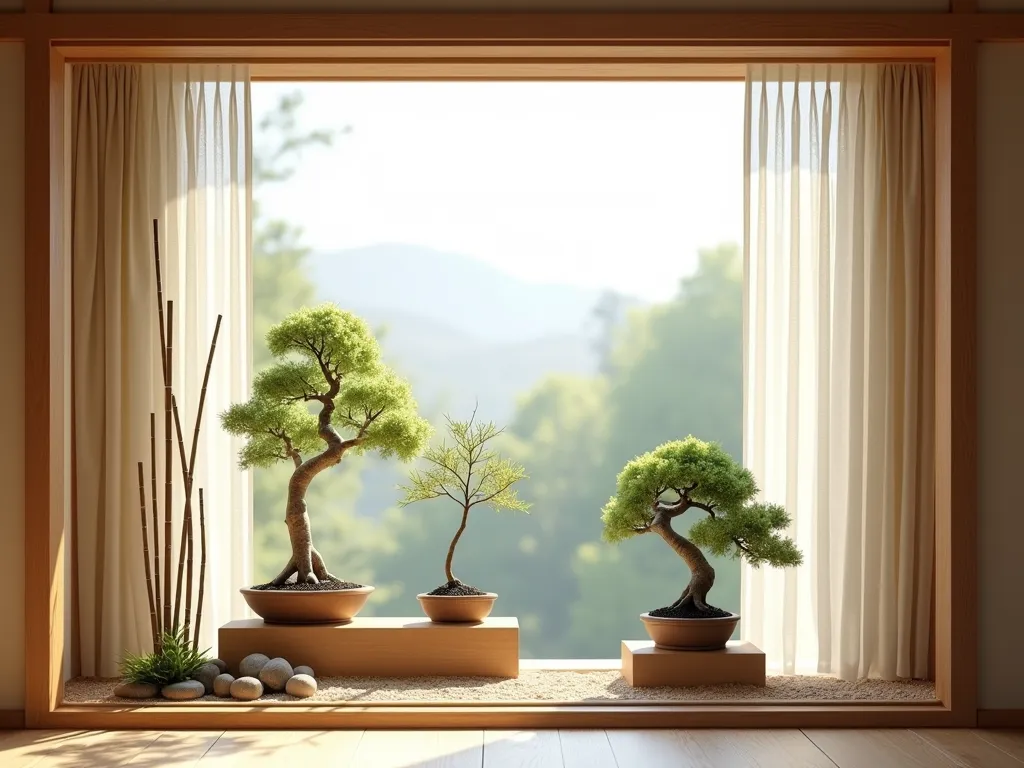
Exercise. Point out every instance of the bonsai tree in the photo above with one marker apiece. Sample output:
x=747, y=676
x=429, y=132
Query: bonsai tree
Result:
x=657, y=487
x=469, y=473
x=328, y=360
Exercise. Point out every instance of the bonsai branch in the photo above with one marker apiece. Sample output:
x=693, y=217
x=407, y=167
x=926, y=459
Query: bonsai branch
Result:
x=490, y=496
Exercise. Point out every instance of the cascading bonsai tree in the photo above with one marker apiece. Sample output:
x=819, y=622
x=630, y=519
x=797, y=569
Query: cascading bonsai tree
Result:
x=469, y=473
x=329, y=359
x=660, y=486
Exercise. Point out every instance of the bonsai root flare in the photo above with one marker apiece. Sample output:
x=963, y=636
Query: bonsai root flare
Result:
x=285, y=574
x=320, y=568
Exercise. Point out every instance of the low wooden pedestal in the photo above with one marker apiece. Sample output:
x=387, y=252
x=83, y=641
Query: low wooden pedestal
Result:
x=645, y=666
x=380, y=647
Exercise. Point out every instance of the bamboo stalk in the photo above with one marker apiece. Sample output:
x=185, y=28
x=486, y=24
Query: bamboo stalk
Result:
x=188, y=472
x=168, y=471
x=202, y=396
x=156, y=532
x=202, y=570
x=186, y=518
x=187, y=623
x=160, y=296
x=145, y=558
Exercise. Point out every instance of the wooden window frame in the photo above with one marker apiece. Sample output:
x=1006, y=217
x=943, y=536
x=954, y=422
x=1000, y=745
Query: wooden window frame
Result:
x=479, y=45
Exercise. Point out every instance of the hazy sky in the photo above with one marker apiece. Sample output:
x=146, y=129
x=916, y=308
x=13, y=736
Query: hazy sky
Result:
x=595, y=184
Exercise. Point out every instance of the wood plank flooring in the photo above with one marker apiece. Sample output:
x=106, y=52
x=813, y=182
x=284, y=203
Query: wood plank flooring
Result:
x=516, y=749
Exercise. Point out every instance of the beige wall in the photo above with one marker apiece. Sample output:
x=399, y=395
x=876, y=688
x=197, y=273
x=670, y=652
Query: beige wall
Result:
x=498, y=5
x=12, y=374
x=1001, y=373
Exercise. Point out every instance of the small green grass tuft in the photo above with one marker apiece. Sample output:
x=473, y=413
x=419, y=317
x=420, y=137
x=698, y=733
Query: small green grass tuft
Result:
x=177, y=662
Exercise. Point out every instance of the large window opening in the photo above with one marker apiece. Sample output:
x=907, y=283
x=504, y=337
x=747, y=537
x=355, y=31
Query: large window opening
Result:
x=563, y=257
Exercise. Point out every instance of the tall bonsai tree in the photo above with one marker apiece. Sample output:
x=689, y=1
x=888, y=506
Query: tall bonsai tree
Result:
x=657, y=487
x=329, y=360
x=469, y=473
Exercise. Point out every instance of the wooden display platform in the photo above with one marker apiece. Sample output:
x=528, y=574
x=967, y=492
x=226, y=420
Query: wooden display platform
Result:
x=381, y=647
x=645, y=666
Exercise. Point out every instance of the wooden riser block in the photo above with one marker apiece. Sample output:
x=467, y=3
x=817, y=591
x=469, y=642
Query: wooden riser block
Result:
x=380, y=647
x=645, y=666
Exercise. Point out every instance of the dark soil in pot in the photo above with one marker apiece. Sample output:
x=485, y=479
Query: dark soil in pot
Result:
x=327, y=585
x=688, y=611
x=456, y=589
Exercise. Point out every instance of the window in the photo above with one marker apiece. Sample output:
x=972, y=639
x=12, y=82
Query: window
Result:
x=565, y=257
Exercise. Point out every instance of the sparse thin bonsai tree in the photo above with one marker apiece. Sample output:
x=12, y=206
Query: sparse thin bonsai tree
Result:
x=469, y=473
x=328, y=358
x=657, y=487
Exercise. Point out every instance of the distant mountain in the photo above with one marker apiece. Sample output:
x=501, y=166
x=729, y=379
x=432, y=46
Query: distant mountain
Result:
x=463, y=333
x=465, y=295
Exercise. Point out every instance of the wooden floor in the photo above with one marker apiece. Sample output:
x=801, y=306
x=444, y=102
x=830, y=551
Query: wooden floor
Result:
x=508, y=749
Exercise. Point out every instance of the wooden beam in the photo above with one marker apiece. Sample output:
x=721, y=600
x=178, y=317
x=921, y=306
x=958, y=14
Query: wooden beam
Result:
x=45, y=394
x=571, y=28
x=956, y=420
x=38, y=6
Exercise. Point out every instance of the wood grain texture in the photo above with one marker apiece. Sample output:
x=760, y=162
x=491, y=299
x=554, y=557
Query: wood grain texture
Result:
x=381, y=647
x=507, y=27
x=586, y=749
x=967, y=748
x=1011, y=742
x=956, y=412
x=522, y=749
x=737, y=749
x=423, y=749
x=643, y=665
x=272, y=749
x=46, y=393
x=879, y=749
x=175, y=749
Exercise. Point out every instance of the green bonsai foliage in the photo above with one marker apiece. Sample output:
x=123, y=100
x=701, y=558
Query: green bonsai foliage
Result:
x=176, y=661
x=469, y=473
x=328, y=359
x=659, y=486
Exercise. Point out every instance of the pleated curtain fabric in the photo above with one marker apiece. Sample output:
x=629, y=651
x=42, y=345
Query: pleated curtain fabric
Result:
x=839, y=363
x=173, y=143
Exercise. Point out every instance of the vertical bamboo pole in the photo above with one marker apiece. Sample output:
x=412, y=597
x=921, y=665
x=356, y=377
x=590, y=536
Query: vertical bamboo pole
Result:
x=145, y=558
x=156, y=534
x=170, y=621
x=202, y=570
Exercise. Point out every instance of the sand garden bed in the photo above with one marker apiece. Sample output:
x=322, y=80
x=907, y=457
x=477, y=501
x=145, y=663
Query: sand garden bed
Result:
x=540, y=685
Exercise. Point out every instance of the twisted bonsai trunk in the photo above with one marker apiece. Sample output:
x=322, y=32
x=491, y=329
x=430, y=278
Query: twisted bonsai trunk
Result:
x=305, y=560
x=702, y=575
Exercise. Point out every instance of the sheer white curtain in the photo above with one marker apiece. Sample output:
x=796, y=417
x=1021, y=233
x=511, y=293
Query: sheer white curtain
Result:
x=167, y=142
x=839, y=363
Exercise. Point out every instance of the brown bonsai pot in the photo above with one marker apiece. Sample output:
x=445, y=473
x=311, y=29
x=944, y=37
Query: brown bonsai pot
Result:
x=451, y=609
x=709, y=634
x=289, y=606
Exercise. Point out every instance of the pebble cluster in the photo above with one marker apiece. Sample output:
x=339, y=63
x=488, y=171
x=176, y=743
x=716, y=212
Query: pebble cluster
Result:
x=257, y=674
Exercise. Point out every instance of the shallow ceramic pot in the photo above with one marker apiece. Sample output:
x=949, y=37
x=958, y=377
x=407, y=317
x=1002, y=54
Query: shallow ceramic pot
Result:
x=450, y=609
x=690, y=634
x=286, y=606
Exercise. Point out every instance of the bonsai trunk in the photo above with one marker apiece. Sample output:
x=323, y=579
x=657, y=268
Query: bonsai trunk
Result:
x=305, y=560
x=702, y=575
x=451, y=549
